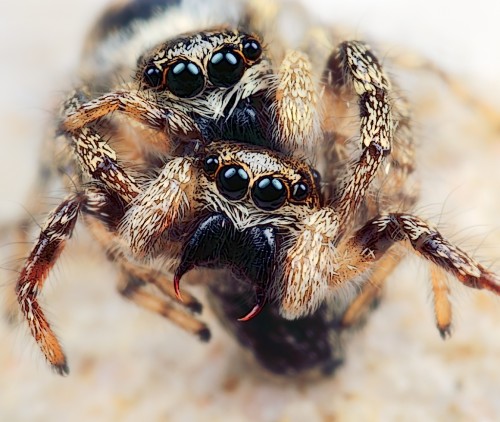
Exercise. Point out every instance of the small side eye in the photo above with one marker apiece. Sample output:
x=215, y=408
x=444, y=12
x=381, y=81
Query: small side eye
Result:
x=225, y=67
x=269, y=193
x=300, y=191
x=185, y=79
x=316, y=176
x=153, y=76
x=252, y=49
x=211, y=164
x=232, y=182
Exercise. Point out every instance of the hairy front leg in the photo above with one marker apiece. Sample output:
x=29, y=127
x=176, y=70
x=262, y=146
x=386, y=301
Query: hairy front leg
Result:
x=166, y=200
x=297, y=115
x=78, y=113
x=353, y=66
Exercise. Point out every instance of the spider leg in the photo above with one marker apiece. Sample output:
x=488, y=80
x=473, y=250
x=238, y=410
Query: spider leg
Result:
x=316, y=263
x=296, y=112
x=52, y=239
x=371, y=290
x=19, y=232
x=99, y=161
x=134, y=289
x=442, y=304
x=378, y=234
x=136, y=106
x=112, y=245
x=354, y=66
x=164, y=201
x=374, y=239
x=96, y=158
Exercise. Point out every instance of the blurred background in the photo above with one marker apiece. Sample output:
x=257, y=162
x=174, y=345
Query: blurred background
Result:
x=127, y=364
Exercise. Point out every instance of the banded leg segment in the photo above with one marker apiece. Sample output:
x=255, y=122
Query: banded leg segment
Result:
x=354, y=66
x=52, y=239
x=99, y=161
x=374, y=239
x=133, y=105
x=380, y=233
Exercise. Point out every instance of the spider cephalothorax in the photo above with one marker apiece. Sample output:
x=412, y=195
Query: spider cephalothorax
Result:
x=220, y=79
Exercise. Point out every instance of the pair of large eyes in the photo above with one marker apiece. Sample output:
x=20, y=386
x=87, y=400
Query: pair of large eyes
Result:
x=268, y=192
x=225, y=68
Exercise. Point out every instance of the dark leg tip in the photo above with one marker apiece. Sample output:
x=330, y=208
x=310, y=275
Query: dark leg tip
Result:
x=445, y=332
x=195, y=307
x=62, y=369
x=204, y=335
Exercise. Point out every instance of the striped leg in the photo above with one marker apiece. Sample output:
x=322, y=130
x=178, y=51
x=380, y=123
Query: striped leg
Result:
x=354, y=66
x=135, y=279
x=52, y=239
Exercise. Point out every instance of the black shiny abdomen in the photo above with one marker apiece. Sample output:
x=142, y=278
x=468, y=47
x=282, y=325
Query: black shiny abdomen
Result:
x=284, y=347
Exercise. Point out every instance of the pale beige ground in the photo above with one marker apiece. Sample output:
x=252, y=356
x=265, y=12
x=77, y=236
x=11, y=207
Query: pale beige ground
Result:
x=129, y=365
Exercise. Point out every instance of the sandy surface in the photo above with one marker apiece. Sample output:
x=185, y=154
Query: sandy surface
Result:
x=130, y=365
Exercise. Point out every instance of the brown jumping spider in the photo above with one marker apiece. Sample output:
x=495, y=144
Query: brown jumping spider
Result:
x=206, y=164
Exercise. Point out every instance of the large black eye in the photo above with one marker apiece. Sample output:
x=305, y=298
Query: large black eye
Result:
x=269, y=193
x=185, y=79
x=211, y=164
x=153, y=76
x=252, y=49
x=300, y=191
x=232, y=182
x=225, y=68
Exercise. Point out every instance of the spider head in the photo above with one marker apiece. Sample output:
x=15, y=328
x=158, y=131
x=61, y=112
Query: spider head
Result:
x=220, y=78
x=250, y=199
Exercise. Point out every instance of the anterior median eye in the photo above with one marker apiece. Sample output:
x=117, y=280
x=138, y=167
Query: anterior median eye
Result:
x=225, y=67
x=269, y=193
x=232, y=182
x=185, y=79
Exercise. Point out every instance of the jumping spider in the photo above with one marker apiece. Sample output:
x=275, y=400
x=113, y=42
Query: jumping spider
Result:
x=217, y=174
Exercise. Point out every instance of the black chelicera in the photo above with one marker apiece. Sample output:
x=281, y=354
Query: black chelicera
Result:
x=249, y=253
